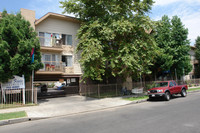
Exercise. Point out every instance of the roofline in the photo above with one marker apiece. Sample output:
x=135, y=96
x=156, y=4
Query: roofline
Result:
x=56, y=15
x=193, y=47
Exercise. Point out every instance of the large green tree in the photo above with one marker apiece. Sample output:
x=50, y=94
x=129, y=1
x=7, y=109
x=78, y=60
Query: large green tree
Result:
x=172, y=39
x=17, y=38
x=114, y=36
x=197, y=56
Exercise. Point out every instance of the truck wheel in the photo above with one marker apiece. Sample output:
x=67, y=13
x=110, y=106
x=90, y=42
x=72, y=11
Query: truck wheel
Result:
x=150, y=98
x=167, y=96
x=183, y=93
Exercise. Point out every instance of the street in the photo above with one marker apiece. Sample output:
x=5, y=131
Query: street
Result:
x=179, y=115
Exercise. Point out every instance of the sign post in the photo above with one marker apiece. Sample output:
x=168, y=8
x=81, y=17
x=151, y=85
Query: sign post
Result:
x=24, y=91
x=32, y=86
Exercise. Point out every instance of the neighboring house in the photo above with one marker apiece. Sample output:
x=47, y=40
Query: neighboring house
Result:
x=57, y=35
x=193, y=62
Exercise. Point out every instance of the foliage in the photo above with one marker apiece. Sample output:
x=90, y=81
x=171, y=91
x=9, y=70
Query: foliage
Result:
x=172, y=40
x=197, y=56
x=114, y=37
x=17, y=39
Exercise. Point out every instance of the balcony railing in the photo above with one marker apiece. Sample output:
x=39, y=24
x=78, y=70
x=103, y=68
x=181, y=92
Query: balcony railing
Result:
x=52, y=66
x=50, y=42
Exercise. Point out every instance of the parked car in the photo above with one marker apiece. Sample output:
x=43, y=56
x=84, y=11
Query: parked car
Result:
x=166, y=89
x=59, y=86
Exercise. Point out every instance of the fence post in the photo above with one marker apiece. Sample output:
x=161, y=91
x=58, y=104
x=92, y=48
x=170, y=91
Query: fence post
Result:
x=116, y=89
x=98, y=91
x=89, y=90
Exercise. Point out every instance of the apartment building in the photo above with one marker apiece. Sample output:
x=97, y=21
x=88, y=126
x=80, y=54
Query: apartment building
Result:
x=57, y=36
x=194, y=62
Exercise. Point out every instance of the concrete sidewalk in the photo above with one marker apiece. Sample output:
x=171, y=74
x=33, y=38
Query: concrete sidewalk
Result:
x=67, y=105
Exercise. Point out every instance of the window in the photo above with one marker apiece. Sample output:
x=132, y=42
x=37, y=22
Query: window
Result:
x=67, y=39
x=45, y=39
x=174, y=83
x=161, y=84
x=171, y=84
x=53, y=59
x=67, y=60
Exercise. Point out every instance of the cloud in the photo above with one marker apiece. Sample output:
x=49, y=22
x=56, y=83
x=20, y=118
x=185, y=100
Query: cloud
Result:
x=168, y=2
x=187, y=10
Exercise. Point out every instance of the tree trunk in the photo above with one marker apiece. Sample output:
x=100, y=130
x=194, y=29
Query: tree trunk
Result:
x=128, y=83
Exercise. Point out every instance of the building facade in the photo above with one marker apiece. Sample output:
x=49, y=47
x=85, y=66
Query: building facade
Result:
x=194, y=64
x=57, y=36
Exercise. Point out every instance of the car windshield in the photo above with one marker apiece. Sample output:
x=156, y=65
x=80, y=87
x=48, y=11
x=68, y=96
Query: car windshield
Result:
x=161, y=84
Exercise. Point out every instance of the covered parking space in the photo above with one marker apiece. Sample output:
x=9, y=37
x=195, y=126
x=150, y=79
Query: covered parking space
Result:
x=54, y=85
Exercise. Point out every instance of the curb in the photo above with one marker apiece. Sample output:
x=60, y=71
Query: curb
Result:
x=19, y=120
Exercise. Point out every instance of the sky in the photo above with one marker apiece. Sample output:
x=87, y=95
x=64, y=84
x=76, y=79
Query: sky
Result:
x=187, y=10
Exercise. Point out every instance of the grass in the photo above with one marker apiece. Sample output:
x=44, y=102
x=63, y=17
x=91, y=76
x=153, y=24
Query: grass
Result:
x=12, y=115
x=136, y=98
x=104, y=95
x=193, y=89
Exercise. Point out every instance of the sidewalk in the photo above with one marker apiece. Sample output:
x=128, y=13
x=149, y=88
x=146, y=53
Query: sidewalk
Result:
x=66, y=106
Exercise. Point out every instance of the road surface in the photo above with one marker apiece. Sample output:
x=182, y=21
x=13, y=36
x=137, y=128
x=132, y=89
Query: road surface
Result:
x=179, y=115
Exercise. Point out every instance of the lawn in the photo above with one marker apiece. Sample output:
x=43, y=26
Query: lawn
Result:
x=104, y=95
x=12, y=115
x=136, y=98
x=194, y=89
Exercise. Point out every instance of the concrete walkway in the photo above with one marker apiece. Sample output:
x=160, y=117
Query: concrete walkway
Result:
x=67, y=105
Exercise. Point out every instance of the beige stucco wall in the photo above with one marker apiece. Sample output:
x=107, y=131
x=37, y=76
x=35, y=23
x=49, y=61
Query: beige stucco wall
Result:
x=29, y=15
x=60, y=26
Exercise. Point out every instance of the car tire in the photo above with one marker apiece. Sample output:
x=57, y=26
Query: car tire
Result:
x=167, y=96
x=151, y=98
x=183, y=93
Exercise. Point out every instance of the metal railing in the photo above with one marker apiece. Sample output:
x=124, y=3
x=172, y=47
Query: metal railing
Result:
x=114, y=90
x=14, y=98
x=52, y=66
x=50, y=42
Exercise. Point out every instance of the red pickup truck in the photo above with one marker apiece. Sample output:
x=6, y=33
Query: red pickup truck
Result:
x=167, y=88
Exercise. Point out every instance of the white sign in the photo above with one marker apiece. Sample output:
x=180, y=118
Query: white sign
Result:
x=68, y=81
x=73, y=79
x=15, y=83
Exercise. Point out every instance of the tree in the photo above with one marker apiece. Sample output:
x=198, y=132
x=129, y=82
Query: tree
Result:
x=17, y=38
x=164, y=60
x=197, y=56
x=172, y=39
x=114, y=37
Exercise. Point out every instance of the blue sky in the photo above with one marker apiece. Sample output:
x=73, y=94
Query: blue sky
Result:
x=187, y=10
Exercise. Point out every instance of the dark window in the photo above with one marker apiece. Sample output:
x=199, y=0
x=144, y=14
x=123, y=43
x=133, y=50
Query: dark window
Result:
x=67, y=60
x=67, y=39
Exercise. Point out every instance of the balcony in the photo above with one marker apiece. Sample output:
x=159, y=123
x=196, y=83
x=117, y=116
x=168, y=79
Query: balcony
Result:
x=50, y=44
x=51, y=67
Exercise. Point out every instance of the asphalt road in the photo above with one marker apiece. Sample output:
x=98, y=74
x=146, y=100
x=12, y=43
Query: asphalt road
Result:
x=179, y=115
